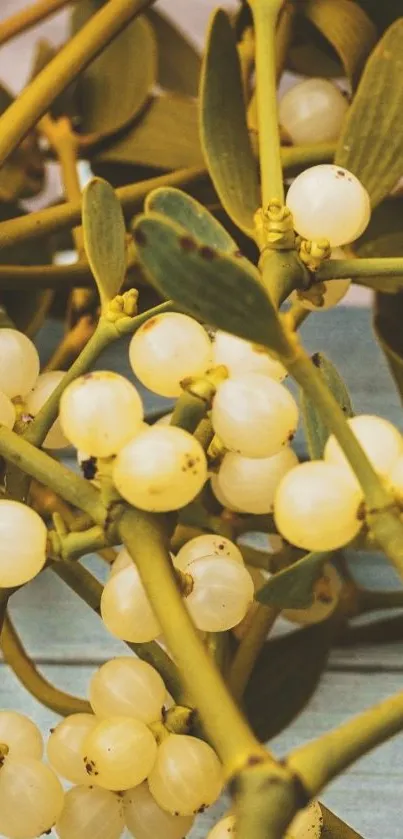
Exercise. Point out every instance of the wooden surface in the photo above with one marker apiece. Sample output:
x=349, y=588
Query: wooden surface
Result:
x=68, y=641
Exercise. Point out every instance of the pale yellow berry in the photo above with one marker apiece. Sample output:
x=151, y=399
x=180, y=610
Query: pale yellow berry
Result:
x=187, y=775
x=20, y=734
x=127, y=687
x=90, y=813
x=207, y=545
x=64, y=748
x=44, y=387
x=23, y=537
x=119, y=753
x=250, y=484
x=19, y=363
x=240, y=356
x=313, y=111
x=146, y=820
x=126, y=610
x=7, y=411
x=382, y=443
x=31, y=798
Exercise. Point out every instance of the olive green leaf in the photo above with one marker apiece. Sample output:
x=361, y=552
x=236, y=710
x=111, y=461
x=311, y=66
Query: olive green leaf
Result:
x=347, y=28
x=310, y=54
x=286, y=675
x=316, y=433
x=28, y=310
x=371, y=142
x=166, y=137
x=179, y=63
x=188, y=212
x=382, y=14
x=224, y=132
x=293, y=588
x=388, y=321
x=384, y=234
x=104, y=237
x=115, y=87
x=216, y=288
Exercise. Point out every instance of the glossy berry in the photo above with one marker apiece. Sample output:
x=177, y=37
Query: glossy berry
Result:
x=44, y=387
x=329, y=202
x=90, y=813
x=31, y=798
x=254, y=415
x=125, y=608
x=122, y=561
x=127, y=687
x=186, y=776
x=317, y=507
x=21, y=736
x=207, y=545
x=312, y=111
x=23, y=537
x=249, y=484
x=167, y=349
x=221, y=595
x=240, y=356
x=19, y=363
x=7, y=411
x=381, y=441
x=64, y=748
x=162, y=469
x=100, y=412
x=146, y=820
x=119, y=753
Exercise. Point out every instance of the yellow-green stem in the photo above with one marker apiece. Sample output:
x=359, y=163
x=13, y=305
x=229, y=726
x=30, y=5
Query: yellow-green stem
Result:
x=65, y=143
x=249, y=649
x=284, y=35
x=265, y=13
x=225, y=726
x=28, y=17
x=24, y=669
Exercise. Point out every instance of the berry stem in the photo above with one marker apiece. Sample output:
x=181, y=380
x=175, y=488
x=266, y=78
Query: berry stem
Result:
x=265, y=14
x=24, y=669
x=86, y=586
x=80, y=543
x=249, y=648
x=367, y=270
x=26, y=18
x=67, y=64
x=229, y=732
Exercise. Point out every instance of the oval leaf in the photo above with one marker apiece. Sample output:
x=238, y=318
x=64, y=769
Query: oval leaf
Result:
x=347, y=28
x=104, y=237
x=188, y=212
x=293, y=588
x=371, y=143
x=286, y=675
x=114, y=88
x=316, y=432
x=224, y=132
x=388, y=321
x=166, y=137
x=179, y=64
x=221, y=290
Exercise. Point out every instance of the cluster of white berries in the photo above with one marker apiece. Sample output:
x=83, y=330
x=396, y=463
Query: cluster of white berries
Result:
x=220, y=590
x=120, y=775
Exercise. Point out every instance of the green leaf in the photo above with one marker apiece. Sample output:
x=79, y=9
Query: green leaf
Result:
x=371, y=143
x=316, y=432
x=216, y=288
x=166, y=137
x=179, y=63
x=293, y=588
x=347, y=28
x=224, y=132
x=115, y=87
x=104, y=237
x=388, y=320
x=310, y=54
x=286, y=675
x=188, y=212
x=384, y=234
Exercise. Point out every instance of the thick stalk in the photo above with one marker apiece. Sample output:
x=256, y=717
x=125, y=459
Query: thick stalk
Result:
x=31, y=16
x=360, y=268
x=265, y=13
x=224, y=724
x=296, y=158
x=28, y=277
x=65, y=143
x=80, y=542
x=249, y=649
x=89, y=589
x=24, y=669
x=79, y=51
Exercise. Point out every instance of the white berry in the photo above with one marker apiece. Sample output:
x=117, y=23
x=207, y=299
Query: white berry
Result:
x=31, y=798
x=240, y=356
x=119, y=753
x=329, y=202
x=220, y=495
x=207, y=545
x=125, y=608
x=64, y=748
x=100, y=413
x=90, y=813
x=147, y=820
x=44, y=387
x=326, y=593
x=167, y=349
x=162, y=469
x=316, y=507
x=7, y=411
x=186, y=776
x=249, y=484
x=23, y=537
x=221, y=595
x=127, y=687
x=21, y=736
x=381, y=441
x=254, y=415
x=19, y=363
x=312, y=111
